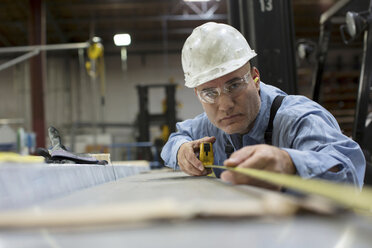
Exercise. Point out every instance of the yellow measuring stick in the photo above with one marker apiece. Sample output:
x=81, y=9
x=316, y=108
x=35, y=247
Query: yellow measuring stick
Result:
x=344, y=194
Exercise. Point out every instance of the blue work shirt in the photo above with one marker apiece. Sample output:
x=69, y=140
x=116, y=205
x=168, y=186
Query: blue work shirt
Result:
x=303, y=128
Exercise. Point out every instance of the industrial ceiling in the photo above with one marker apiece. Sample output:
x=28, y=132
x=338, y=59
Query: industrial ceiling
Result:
x=154, y=25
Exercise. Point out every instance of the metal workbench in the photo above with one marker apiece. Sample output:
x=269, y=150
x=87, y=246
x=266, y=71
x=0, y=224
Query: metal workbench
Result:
x=271, y=220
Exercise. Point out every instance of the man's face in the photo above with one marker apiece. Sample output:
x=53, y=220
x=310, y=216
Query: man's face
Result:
x=234, y=114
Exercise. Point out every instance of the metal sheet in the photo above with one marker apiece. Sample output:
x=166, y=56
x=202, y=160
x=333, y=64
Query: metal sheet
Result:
x=177, y=187
x=25, y=185
x=294, y=231
x=303, y=231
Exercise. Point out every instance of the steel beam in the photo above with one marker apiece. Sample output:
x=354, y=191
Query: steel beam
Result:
x=19, y=59
x=53, y=47
x=148, y=18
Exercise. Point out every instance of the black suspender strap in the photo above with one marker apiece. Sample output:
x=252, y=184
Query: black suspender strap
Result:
x=274, y=108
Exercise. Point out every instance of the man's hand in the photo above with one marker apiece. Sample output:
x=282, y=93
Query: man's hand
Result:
x=262, y=157
x=187, y=159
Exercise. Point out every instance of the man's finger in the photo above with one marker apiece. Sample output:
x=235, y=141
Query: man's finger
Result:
x=191, y=158
x=189, y=169
x=211, y=139
x=239, y=156
x=227, y=176
x=196, y=143
x=254, y=162
x=193, y=165
x=235, y=178
x=231, y=162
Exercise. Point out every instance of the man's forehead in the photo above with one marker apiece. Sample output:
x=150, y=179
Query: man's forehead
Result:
x=218, y=82
x=212, y=84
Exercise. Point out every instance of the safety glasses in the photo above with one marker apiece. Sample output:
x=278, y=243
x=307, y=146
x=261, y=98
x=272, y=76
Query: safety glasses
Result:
x=231, y=88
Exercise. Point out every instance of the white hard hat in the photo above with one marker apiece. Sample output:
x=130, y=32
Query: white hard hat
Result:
x=212, y=51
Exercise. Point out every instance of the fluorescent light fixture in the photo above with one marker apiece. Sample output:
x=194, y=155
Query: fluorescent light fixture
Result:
x=122, y=39
x=196, y=0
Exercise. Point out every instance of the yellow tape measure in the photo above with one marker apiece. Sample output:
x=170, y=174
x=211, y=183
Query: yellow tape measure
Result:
x=344, y=194
x=206, y=155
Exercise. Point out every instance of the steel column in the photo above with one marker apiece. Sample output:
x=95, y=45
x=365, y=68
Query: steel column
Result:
x=324, y=39
x=143, y=118
x=268, y=27
x=171, y=107
x=364, y=84
x=37, y=70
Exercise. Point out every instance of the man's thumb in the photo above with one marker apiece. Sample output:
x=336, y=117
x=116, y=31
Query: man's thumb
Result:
x=204, y=139
x=207, y=139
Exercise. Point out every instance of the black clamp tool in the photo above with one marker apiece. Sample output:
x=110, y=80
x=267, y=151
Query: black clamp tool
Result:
x=60, y=155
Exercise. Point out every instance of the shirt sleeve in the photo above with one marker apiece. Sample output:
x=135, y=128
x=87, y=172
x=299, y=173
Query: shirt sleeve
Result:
x=186, y=131
x=315, y=143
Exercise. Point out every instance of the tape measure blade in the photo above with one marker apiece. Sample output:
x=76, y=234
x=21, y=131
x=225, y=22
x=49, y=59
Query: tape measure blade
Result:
x=344, y=194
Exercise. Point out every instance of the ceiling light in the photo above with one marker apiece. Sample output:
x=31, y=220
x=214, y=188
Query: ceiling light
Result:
x=122, y=39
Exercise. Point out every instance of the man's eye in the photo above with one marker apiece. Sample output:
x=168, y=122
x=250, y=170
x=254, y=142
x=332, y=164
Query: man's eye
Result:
x=211, y=94
x=233, y=86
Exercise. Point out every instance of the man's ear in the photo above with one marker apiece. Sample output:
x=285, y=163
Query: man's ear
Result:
x=196, y=94
x=256, y=76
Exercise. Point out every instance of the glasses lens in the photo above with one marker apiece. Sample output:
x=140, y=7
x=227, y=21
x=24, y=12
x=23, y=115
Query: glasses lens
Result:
x=235, y=86
x=209, y=95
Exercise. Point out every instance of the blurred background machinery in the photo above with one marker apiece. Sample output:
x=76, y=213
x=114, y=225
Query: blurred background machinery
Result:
x=92, y=95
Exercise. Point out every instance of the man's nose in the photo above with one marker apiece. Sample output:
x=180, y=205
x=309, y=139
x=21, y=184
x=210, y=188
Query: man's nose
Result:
x=225, y=102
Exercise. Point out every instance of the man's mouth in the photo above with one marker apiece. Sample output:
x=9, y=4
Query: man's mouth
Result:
x=230, y=117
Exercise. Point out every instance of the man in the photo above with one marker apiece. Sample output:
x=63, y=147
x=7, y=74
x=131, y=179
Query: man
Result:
x=306, y=139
